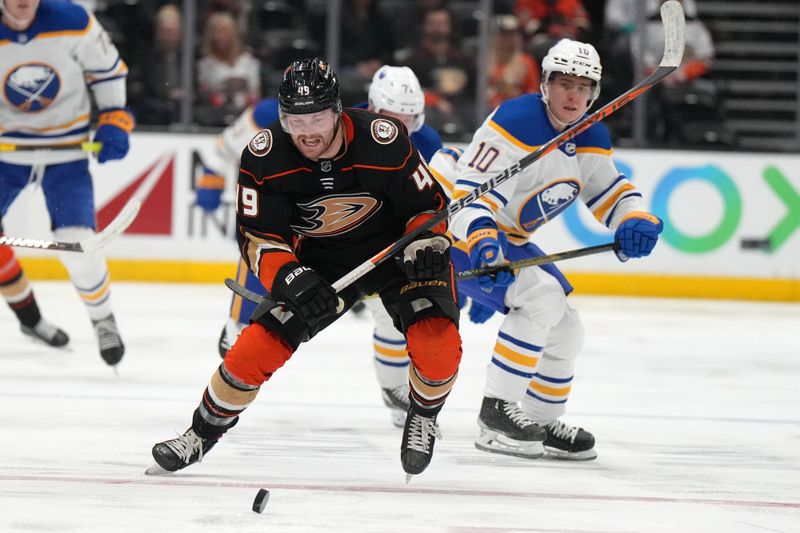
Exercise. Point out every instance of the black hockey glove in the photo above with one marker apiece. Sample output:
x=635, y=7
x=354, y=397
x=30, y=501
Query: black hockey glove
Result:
x=305, y=292
x=428, y=257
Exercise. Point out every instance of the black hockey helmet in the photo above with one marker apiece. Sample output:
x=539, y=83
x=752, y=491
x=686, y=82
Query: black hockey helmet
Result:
x=309, y=86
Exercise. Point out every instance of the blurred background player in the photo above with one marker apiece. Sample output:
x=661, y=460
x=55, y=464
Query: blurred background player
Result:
x=51, y=56
x=396, y=92
x=291, y=176
x=533, y=359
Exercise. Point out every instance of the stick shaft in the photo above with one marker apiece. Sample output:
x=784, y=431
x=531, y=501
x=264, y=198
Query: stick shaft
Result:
x=536, y=261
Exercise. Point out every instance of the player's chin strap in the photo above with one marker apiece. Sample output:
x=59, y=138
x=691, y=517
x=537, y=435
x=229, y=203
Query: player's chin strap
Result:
x=674, y=39
x=335, y=133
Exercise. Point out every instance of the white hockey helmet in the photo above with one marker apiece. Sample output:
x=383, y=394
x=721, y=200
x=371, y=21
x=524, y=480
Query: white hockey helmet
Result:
x=397, y=90
x=575, y=58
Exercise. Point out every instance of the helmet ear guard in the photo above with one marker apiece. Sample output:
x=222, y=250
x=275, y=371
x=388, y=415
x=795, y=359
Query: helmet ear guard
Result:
x=397, y=90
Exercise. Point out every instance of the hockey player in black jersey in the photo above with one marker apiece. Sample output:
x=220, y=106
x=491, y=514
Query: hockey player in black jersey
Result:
x=321, y=191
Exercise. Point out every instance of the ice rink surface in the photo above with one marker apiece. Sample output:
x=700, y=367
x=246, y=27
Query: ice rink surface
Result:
x=695, y=406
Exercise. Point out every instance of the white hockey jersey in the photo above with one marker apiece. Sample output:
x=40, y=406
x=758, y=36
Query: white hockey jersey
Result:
x=581, y=169
x=47, y=72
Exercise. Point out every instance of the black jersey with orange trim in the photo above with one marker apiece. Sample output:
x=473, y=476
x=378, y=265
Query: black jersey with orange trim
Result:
x=339, y=211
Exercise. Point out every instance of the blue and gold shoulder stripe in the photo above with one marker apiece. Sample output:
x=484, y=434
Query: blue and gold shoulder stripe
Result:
x=53, y=19
x=523, y=122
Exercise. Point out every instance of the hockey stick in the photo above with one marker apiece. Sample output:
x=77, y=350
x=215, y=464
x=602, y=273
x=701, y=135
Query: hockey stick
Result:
x=120, y=223
x=92, y=147
x=244, y=292
x=674, y=37
x=536, y=261
x=254, y=297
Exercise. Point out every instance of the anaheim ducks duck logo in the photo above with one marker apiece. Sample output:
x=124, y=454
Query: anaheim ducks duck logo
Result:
x=383, y=131
x=261, y=143
x=336, y=214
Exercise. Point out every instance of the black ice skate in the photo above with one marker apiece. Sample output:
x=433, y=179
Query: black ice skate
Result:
x=47, y=333
x=506, y=430
x=108, y=340
x=419, y=436
x=567, y=442
x=396, y=399
x=178, y=453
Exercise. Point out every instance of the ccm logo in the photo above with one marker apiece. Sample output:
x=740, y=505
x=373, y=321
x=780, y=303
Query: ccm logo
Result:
x=294, y=273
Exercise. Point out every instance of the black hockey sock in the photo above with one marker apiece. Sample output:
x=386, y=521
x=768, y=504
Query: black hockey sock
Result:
x=27, y=311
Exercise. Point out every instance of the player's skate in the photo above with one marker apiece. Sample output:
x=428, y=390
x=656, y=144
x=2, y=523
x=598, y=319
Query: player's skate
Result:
x=419, y=436
x=47, y=333
x=505, y=429
x=108, y=340
x=567, y=442
x=178, y=453
x=396, y=399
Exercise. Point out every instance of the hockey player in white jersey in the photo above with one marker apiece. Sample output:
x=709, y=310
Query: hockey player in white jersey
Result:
x=52, y=56
x=530, y=373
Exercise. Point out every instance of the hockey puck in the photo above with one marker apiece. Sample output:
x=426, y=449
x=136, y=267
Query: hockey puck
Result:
x=260, y=503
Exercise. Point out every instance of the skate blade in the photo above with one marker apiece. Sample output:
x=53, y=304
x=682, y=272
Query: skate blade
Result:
x=560, y=455
x=493, y=442
x=156, y=470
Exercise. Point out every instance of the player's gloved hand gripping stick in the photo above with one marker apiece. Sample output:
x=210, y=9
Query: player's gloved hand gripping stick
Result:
x=672, y=18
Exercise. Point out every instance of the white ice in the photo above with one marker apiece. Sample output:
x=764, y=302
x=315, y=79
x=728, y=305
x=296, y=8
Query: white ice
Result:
x=695, y=406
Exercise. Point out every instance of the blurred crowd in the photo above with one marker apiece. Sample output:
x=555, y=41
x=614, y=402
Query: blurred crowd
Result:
x=243, y=46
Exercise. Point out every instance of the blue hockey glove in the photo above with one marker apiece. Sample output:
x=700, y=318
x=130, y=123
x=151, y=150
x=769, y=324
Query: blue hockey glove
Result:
x=479, y=313
x=637, y=235
x=209, y=190
x=486, y=247
x=114, y=127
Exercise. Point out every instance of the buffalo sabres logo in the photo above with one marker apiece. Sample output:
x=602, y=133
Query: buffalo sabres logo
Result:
x=546, y=203
x=32, y=87
x=336, y=214
x=383, y=131
x=261, y=143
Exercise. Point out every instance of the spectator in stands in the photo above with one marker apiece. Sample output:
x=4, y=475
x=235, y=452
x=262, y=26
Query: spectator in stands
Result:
x=368, y=43
x=681, y=96
x=155, y=84
x=699, y=49
x=512, y=71
x=545, y=22
x=227, y=75
x=240, y=10
x=407, y=20
x=443, y=69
